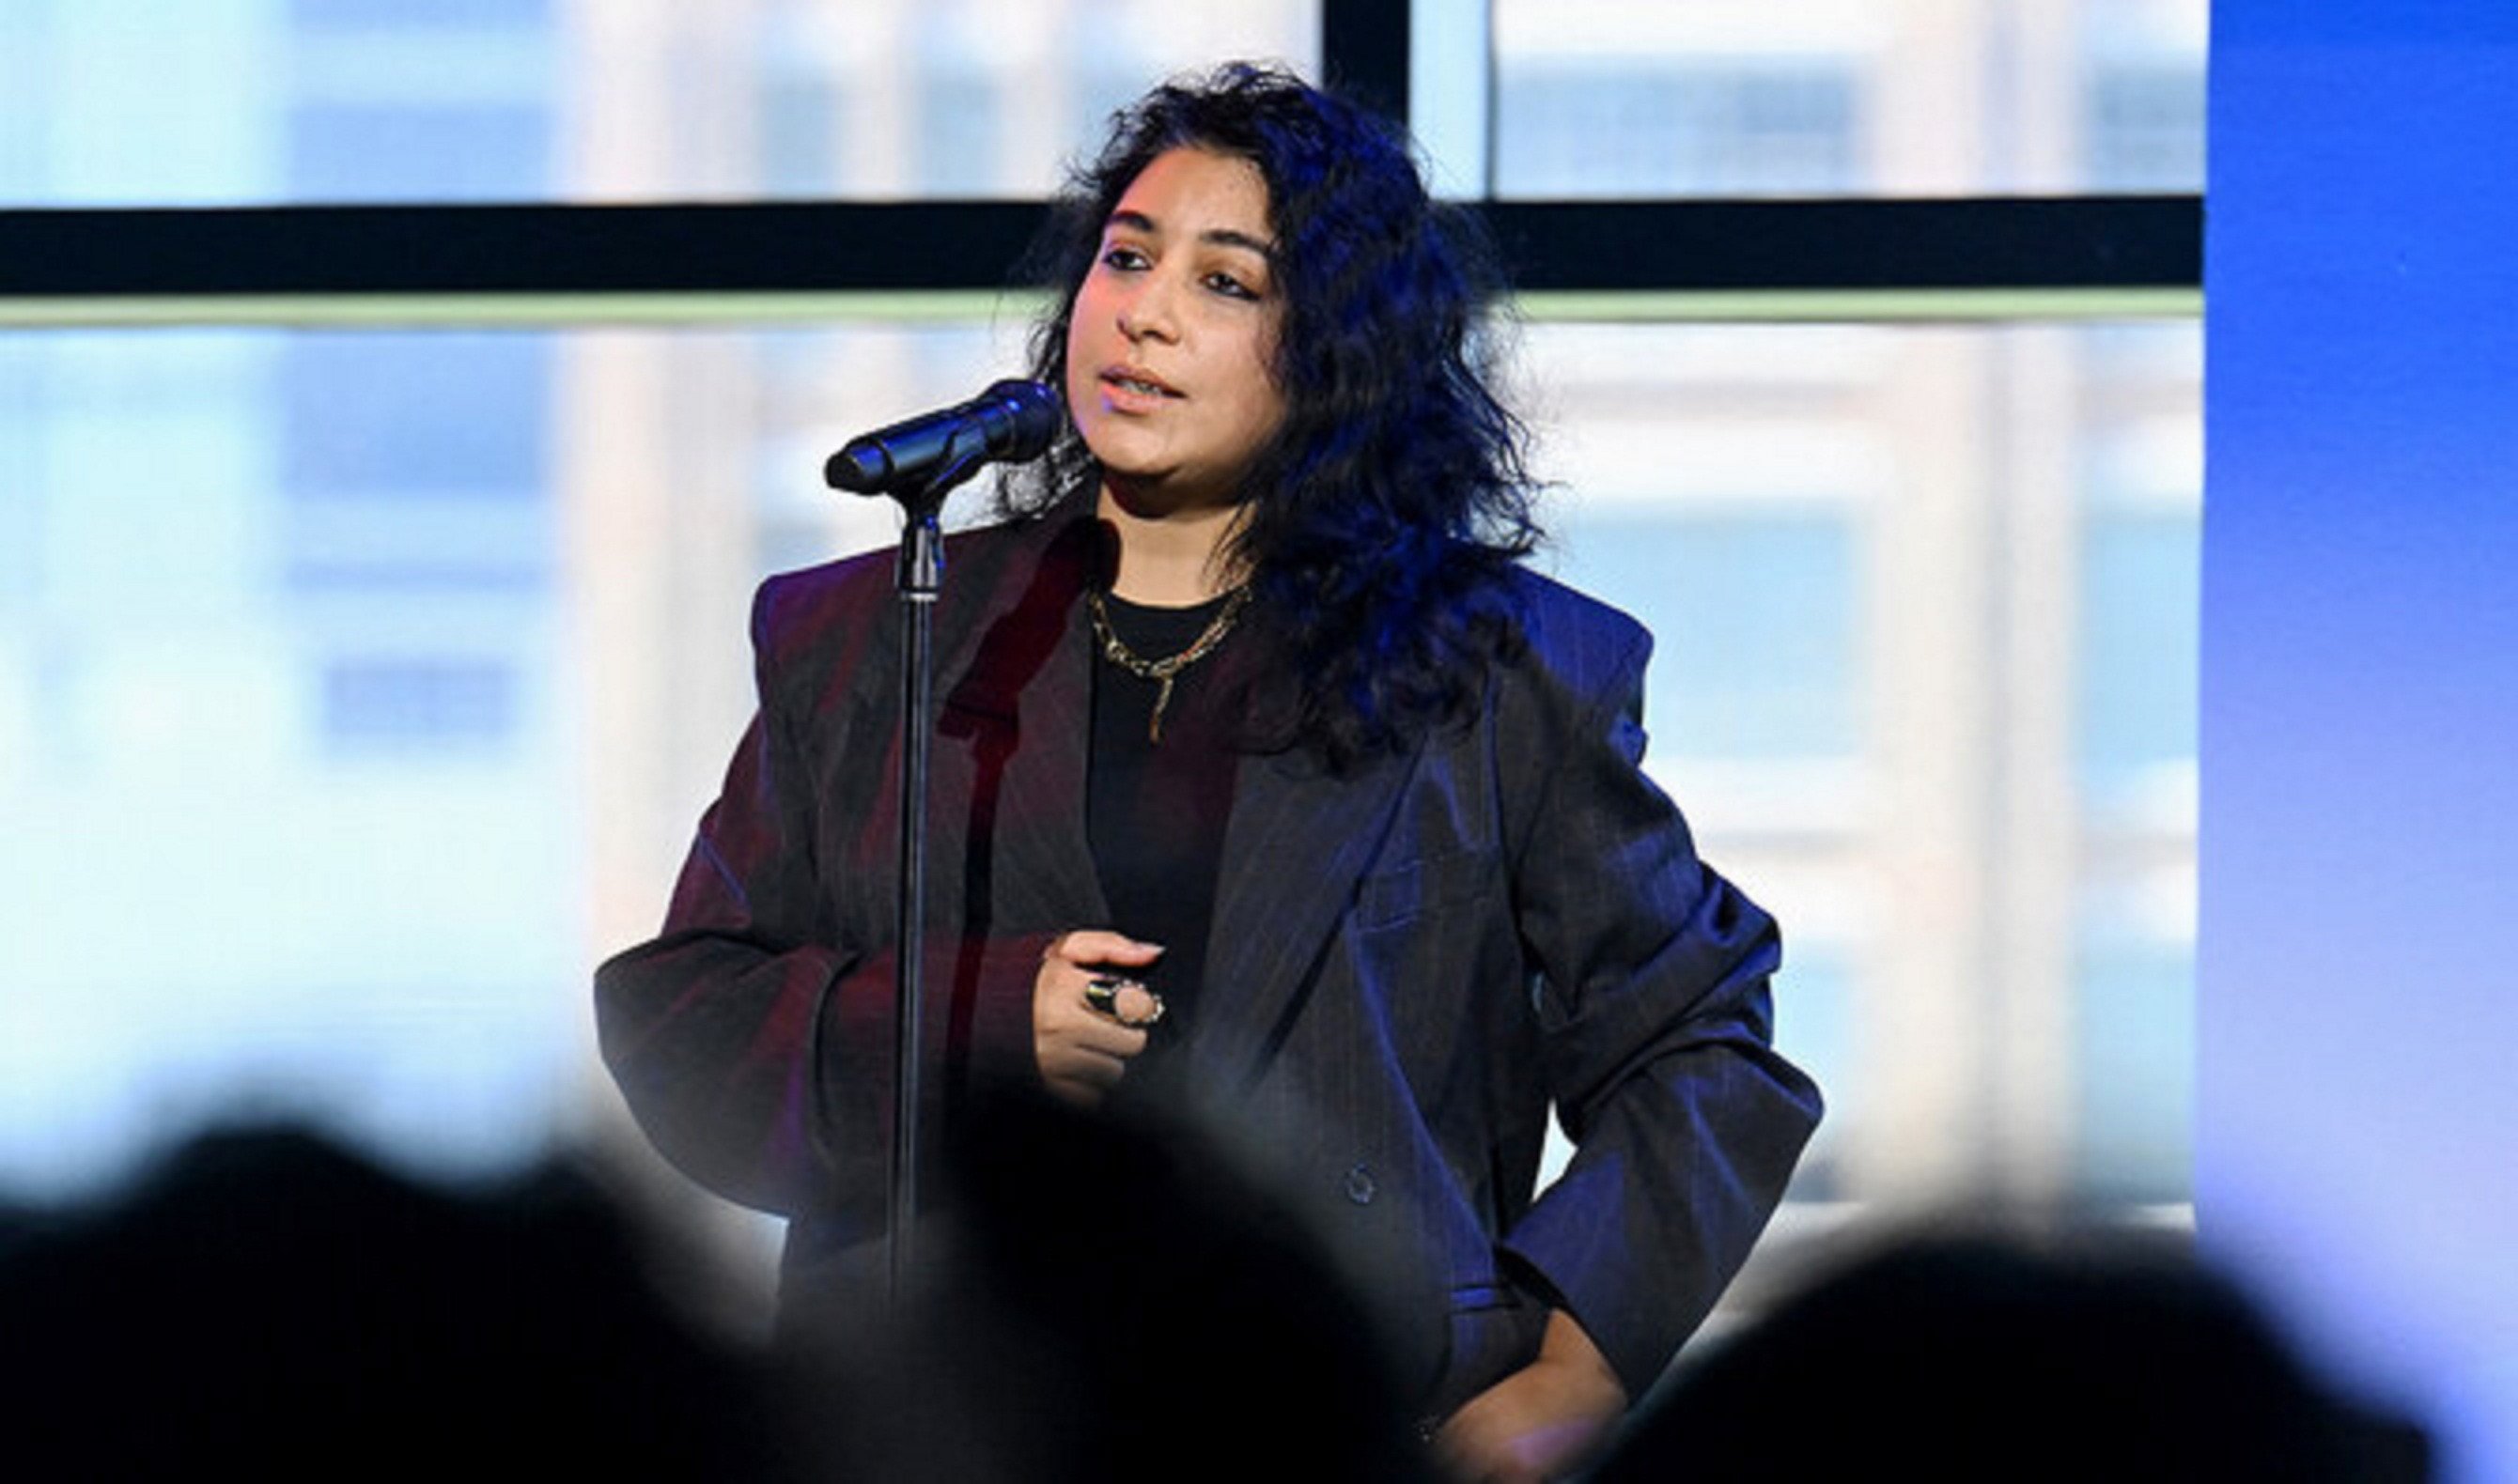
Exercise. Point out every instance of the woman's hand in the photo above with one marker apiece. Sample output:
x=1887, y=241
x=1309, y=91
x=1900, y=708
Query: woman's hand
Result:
x=1083, y=1051
x=1543, y=1422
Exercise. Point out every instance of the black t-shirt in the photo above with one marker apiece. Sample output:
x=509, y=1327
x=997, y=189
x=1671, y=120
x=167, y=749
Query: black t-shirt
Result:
x=1155, y=811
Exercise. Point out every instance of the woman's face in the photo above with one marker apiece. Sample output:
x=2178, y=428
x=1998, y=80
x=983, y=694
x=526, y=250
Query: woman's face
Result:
x=1168, y=349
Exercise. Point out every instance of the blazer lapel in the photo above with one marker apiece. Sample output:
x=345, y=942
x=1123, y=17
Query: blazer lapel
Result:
x=1298, y=842
x=1018, y=704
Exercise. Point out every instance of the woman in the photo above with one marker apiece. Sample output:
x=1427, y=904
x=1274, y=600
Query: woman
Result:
x=1270, y=793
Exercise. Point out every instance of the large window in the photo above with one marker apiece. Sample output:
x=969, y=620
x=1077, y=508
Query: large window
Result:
x=359, y=686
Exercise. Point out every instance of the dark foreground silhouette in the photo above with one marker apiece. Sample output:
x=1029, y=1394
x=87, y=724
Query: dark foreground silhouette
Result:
x=2005, y=1356
x=265, y=1300
x=1104, y=1301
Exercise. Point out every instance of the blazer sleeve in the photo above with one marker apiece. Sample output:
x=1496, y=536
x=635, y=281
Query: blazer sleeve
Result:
x=750, y=1038
x=1656, y=1029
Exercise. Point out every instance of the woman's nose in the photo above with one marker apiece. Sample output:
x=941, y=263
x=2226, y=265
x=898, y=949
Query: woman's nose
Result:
x=1148, y=315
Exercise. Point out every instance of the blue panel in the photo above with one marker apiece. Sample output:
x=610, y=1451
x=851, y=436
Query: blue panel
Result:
x=2359, y=806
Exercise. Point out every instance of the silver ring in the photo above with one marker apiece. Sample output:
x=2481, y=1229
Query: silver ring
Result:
x=1102, y=993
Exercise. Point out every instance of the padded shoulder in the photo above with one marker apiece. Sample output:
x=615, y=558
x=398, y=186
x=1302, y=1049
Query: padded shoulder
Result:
x=1573, y=642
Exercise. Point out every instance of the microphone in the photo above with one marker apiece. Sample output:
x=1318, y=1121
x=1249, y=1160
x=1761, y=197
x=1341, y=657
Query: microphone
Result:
x=1008, y=423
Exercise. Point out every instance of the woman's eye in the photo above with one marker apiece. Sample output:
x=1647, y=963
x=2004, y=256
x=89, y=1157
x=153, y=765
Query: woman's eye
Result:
x=1231, y=286
x=1126, y=258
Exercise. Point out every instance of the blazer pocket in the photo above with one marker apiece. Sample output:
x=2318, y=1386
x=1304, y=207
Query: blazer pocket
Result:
x=1404, y=893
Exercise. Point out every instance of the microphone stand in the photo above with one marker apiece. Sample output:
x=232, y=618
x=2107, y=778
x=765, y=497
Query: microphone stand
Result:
x=918, y=580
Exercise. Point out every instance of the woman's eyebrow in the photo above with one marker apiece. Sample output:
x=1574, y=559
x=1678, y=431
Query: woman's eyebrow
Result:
x=1221, y=237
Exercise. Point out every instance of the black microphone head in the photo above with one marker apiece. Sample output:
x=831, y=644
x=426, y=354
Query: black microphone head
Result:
x=1031, y=417
x=1008, y=423
x=860, y=468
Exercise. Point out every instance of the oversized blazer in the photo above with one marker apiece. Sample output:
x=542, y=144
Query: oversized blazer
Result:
x=1411, y=960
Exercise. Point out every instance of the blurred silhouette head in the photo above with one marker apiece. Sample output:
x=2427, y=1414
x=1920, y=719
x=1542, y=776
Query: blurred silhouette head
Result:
x=1112, y=1302
x=268, y=1301
x=1983, y=1357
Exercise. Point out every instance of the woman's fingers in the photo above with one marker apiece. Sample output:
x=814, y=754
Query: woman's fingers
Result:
x=1089, y=946
x=1083, y=1026
x=1089, y=1059
x=1083, y=1050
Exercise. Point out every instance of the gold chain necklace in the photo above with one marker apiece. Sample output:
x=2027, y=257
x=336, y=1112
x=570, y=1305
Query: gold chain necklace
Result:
x=1161, y=671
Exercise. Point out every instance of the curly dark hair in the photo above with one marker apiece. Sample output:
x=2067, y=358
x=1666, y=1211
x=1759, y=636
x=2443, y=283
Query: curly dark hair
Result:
x=1381, y=519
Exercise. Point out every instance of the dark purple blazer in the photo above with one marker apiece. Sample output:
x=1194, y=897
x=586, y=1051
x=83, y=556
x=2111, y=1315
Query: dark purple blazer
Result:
x=1409, y=961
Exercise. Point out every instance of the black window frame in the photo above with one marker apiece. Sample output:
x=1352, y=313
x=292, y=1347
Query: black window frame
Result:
x=63, y=256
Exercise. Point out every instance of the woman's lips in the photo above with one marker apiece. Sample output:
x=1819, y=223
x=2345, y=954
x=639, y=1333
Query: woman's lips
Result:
x=1128, y=387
